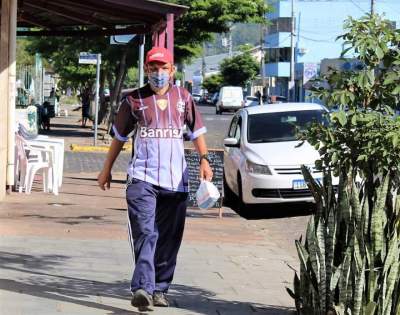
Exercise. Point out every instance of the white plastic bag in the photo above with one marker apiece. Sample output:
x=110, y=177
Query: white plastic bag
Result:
x=206, y=195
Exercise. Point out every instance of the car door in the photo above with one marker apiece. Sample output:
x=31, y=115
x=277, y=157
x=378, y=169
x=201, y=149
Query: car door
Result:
x=232, y=155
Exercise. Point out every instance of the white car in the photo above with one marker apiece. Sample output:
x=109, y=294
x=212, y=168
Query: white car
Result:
x=262, y=163
x=196, y=97
x=251, y=101
x=229, y=98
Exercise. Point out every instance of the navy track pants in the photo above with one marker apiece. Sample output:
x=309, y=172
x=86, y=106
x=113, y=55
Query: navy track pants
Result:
x=156, y=220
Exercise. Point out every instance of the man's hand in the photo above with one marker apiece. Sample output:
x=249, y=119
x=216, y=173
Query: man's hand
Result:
x=104, y=179
x=206, y=172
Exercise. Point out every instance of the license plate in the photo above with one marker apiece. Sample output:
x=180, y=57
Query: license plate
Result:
x=301, y=183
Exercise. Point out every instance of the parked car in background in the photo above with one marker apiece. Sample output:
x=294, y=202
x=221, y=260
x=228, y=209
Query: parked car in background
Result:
x=197, y=97
x=251, y=101
x=262, y=159
x=230, y=98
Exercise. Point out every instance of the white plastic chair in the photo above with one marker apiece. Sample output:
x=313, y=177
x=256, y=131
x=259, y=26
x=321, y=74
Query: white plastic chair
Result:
x=28, y=164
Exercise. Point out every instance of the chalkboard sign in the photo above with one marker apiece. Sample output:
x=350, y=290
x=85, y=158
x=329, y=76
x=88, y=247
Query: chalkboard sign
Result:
x=216, y=162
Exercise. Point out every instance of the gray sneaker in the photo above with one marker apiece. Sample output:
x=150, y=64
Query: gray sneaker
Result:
x=159, y=299
x=142, y=300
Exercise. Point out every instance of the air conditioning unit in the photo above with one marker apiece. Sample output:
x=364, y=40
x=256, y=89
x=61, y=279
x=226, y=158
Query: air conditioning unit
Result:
x=302, y=51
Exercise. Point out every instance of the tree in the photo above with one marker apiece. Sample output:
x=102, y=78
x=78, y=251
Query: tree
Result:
x=350, y=258
x=206, y=17
x=239, y=70
x=23, y=56
x=114, y=67
x=213, y=83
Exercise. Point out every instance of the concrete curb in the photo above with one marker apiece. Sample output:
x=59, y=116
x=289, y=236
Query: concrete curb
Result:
x=91, y=148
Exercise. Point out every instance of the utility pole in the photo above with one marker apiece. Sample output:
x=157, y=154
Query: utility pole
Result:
x=372, y=6
x=230, y=42
x=262, y=39
x=203, y=69
x=292, y=60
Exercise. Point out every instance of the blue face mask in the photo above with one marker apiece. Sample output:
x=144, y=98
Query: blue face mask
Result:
x=159, y=79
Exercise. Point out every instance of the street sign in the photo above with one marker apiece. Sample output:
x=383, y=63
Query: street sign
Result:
x=88, y=58
x=121, y=39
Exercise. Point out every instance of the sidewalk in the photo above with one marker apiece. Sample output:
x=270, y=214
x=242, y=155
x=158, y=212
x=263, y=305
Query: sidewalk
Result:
x=69, y=254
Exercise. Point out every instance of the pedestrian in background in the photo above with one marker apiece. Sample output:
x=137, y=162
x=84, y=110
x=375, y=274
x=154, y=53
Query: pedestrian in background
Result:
x=85, y=99
x=46, y=115
x=157, y=187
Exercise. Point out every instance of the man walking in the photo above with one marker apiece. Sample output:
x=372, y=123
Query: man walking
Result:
x=157, y=187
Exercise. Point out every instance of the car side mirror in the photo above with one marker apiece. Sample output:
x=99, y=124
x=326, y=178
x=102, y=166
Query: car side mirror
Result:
x=231, y=142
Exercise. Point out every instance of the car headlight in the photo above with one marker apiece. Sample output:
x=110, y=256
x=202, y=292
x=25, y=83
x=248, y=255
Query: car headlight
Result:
x=257, y=168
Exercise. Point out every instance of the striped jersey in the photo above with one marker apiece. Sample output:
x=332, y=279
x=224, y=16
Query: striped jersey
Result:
x=158, y=123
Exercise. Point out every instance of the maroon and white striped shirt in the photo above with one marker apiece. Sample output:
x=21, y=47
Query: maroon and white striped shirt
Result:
x=158, y=121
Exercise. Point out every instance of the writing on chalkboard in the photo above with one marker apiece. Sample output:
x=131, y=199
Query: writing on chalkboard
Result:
x=216, y=158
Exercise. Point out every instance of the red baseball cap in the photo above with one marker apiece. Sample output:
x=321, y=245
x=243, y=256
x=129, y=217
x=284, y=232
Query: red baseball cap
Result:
x=159, y=54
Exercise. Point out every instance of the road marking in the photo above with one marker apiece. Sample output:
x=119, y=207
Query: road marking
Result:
x=217, y=118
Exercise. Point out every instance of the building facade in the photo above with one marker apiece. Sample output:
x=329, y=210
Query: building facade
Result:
x=317, y=25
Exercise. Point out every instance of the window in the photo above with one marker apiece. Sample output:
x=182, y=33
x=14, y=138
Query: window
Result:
x=232, y=128
x=281, y=126
x=277, y=55
x=282, y=24
x=238, y=129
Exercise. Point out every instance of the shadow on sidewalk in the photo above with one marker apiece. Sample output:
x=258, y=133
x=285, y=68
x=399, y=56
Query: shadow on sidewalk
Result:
x=42, y=283
x=205, y=302
x=40, y=277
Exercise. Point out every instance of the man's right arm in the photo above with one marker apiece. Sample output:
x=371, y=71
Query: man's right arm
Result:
x=104, y=178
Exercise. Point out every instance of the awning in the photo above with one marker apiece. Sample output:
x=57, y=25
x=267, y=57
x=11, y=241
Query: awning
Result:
x=93, y=17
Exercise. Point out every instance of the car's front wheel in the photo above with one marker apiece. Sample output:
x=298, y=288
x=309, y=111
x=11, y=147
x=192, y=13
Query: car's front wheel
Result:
x=242, y=205
x=229, y=195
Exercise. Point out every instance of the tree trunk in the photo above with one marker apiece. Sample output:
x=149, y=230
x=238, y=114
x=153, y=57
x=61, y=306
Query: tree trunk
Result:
x=102, y=102
x=114, y=97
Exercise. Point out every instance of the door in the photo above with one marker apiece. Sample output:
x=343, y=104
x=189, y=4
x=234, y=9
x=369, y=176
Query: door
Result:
x=232, y=155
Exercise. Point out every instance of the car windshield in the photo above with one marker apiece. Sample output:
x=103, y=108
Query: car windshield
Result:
x=281, y=126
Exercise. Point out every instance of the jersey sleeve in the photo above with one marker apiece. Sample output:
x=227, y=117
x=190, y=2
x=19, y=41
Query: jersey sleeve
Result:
x=125, y=121
x=193, y=119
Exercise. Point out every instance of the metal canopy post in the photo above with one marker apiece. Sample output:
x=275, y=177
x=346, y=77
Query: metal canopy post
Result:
x=141, y=60
x=96, y=115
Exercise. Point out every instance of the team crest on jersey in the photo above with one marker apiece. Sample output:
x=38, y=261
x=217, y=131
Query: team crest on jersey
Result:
x=180, y=106
x=162, y=104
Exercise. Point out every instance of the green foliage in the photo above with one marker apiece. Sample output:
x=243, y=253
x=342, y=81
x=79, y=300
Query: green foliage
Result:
x=206, y=17
x=239, y=70
x=23, y=56
x=376, y=46
x=350, y=257
x=63, y=53
x=131, y=79
x=213, y=83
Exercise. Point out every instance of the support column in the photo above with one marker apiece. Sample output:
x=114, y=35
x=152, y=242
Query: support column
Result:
x=170, y=33
x=4, y=89
x=12, y=91
x=161, y=38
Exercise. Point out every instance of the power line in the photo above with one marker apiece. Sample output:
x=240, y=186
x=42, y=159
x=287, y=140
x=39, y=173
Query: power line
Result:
x=329, y=40
x=360, y=8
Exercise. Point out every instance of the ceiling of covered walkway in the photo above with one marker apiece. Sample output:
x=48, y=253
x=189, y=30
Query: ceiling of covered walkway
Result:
x=93, y=17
